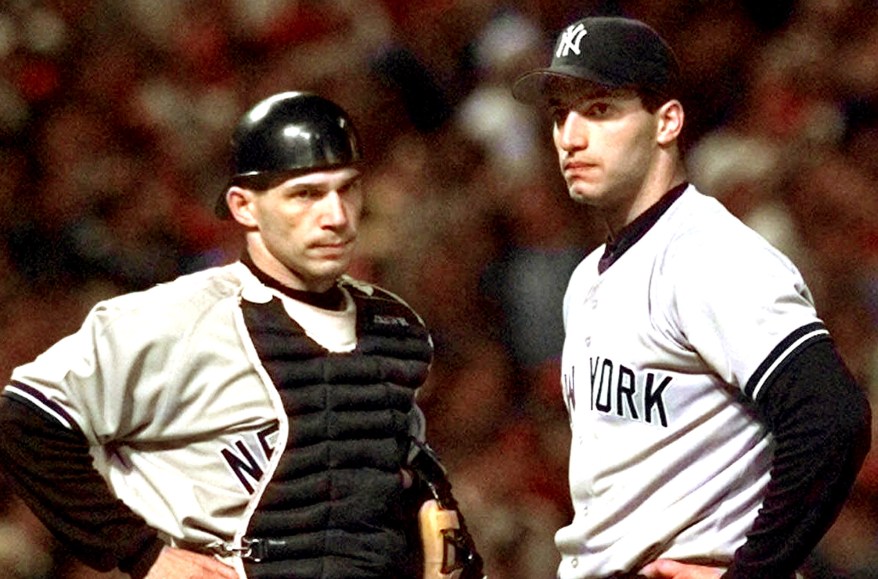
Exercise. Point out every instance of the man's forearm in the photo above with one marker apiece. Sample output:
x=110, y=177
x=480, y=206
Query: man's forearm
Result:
x=51, y=470
x=821, y=422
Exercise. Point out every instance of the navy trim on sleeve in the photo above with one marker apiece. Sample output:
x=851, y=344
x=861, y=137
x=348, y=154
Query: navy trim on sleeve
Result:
x=36, y=399
x=783, y=353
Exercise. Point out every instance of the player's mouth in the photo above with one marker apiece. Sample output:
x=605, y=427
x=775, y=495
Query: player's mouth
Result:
x=579, y=171
x=332, y=248
x=576, y=166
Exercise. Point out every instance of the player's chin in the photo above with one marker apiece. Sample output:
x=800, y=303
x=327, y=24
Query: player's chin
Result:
x=330, y=267
x=582, y=195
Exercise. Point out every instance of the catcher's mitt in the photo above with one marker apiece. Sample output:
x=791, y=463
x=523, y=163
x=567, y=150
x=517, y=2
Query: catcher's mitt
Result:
x=448, y=549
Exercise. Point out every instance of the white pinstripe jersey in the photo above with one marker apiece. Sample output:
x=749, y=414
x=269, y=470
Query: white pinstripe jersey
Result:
x=662, y=352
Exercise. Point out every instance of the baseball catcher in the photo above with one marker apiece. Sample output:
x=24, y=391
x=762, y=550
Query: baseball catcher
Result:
x=253, y=419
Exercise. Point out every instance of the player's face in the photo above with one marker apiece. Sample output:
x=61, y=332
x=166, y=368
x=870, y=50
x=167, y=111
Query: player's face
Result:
x=303, y=231
x=606, y=144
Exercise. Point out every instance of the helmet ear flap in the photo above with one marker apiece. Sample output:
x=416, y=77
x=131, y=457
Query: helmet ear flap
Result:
x=290, y=132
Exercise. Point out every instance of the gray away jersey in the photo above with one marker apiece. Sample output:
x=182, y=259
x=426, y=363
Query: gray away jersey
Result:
x=661, y=351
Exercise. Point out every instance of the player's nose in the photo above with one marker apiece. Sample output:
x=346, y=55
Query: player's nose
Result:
x=571, y=133
x=334, y=211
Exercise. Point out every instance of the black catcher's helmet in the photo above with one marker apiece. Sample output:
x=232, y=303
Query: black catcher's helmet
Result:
x=290, y=132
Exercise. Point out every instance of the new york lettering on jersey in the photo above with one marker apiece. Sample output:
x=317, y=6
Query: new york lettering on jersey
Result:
x=617, y=390
x=249, y=458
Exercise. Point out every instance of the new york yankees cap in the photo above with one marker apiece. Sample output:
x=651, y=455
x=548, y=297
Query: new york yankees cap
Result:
x=611, y=51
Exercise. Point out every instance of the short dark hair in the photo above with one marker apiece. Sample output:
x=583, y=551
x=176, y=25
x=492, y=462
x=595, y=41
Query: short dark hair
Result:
x=652, y=100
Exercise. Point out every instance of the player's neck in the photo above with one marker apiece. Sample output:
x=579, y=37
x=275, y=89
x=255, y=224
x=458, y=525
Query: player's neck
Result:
x=646, y=198
x=666, y=175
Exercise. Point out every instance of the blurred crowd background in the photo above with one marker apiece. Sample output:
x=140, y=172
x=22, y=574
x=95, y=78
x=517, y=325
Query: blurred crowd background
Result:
x=115, y=117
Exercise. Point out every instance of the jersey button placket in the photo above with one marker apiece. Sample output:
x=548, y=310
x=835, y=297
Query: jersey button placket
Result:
x=590, y=304
x=593, y=306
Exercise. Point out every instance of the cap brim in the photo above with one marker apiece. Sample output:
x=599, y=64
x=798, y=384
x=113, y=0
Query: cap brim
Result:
x=538, y=85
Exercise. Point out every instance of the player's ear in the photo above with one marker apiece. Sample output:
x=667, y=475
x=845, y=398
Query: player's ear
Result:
x=240, y=203
x=670, y=122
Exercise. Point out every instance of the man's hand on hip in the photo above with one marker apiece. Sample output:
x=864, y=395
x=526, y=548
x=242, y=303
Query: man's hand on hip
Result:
x=179, y=564
x=670, y=569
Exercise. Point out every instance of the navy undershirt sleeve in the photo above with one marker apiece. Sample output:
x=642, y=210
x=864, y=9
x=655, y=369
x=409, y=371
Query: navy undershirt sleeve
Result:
x=51, y=470
x=821, y=422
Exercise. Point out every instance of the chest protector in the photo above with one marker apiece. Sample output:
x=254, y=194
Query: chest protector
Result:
x=335, y=507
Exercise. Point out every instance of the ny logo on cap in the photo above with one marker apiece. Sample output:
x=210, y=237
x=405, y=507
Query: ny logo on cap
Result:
x=570, y=40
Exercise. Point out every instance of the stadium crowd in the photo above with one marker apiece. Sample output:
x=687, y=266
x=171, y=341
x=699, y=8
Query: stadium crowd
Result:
x=115, y=117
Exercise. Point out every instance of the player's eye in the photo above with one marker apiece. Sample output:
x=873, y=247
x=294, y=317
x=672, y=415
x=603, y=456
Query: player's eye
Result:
x=305, y=193
x=598, y=109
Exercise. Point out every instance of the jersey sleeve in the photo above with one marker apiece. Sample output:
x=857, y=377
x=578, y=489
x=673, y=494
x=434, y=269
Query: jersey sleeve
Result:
x=742, y=306
x=821, y=422
x=75, y=397
x=747, y=312
x=50, y=468
x=88, y=380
